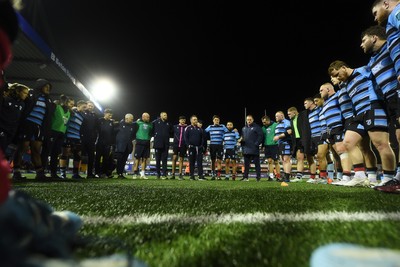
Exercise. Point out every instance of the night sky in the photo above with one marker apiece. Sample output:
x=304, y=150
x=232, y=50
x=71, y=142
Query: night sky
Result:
x=206, y=57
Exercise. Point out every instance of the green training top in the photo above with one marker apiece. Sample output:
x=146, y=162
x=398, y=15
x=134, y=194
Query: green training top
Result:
x=60, y=119
x=144, y=130
x=269, y=133
x=296, y=130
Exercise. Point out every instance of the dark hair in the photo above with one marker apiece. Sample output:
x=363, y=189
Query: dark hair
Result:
x=265, y=117
x=375, y=30
x=108, y=110
x=318, y=95
x=15, y=88
x=64, y=100
x=182, y=117
x=335, y=65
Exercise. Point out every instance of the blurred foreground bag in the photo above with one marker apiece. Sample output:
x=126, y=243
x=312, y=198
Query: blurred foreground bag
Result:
x=29, y=227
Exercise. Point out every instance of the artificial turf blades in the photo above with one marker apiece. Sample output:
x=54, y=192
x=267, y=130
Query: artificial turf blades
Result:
x=221, y=223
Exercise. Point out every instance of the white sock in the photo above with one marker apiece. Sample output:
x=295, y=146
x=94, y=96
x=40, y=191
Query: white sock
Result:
x=346, y=178
x=372, y=177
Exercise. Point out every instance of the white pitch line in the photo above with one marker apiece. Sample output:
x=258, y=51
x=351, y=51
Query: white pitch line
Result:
x=243, y=218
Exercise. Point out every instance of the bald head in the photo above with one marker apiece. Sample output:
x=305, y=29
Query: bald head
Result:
x=146, y=117
x=326, y=90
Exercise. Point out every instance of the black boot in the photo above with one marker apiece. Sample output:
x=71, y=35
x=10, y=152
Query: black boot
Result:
x=17, y=176
x=40, y=176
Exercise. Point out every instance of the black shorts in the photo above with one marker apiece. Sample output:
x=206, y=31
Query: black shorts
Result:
x=336, y=135
x=285, y=149
x=355, y=125
x=298, y=146
x=71, y=142
x=180, y=151
x=392, y=111
x=31, y=131
x=230, y=154
x=142, y=150
x=271, y=152
x=315, y=142
x=216, y=151
x=374, y=119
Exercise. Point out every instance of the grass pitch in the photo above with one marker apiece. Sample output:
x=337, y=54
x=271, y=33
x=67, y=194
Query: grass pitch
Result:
x=221, y=223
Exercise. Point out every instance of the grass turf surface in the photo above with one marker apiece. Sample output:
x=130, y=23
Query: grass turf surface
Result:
x=221, y=223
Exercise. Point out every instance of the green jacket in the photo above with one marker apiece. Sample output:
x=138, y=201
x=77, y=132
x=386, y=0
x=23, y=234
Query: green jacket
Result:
x=269, y=133
x=144, y=130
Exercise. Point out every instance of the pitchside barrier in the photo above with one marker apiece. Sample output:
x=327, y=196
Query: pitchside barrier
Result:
x=206, y=163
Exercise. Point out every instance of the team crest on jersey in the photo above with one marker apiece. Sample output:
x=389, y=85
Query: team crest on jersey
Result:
x=377, y=67
x=369, y=122
x=398, y=15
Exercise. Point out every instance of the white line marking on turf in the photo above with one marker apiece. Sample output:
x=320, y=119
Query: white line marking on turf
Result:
x=243, y=218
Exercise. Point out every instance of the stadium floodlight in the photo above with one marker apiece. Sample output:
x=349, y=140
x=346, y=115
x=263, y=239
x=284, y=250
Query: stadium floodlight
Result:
x=103, y=90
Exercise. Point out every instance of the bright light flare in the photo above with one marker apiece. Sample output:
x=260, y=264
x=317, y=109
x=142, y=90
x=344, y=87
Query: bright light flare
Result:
x=103, y=90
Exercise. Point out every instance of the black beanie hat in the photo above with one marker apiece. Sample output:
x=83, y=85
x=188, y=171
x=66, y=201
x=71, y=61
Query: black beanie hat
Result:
x=40, y=83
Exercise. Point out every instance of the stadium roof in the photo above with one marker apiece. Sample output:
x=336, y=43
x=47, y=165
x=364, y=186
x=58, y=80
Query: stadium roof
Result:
x=34, y=59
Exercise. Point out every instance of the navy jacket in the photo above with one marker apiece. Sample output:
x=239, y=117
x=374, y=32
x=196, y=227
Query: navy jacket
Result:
x=89, y=128
x=162, y=131
x=125, y=136
x=107, y=131
x=252, y=137
x=194, y=136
